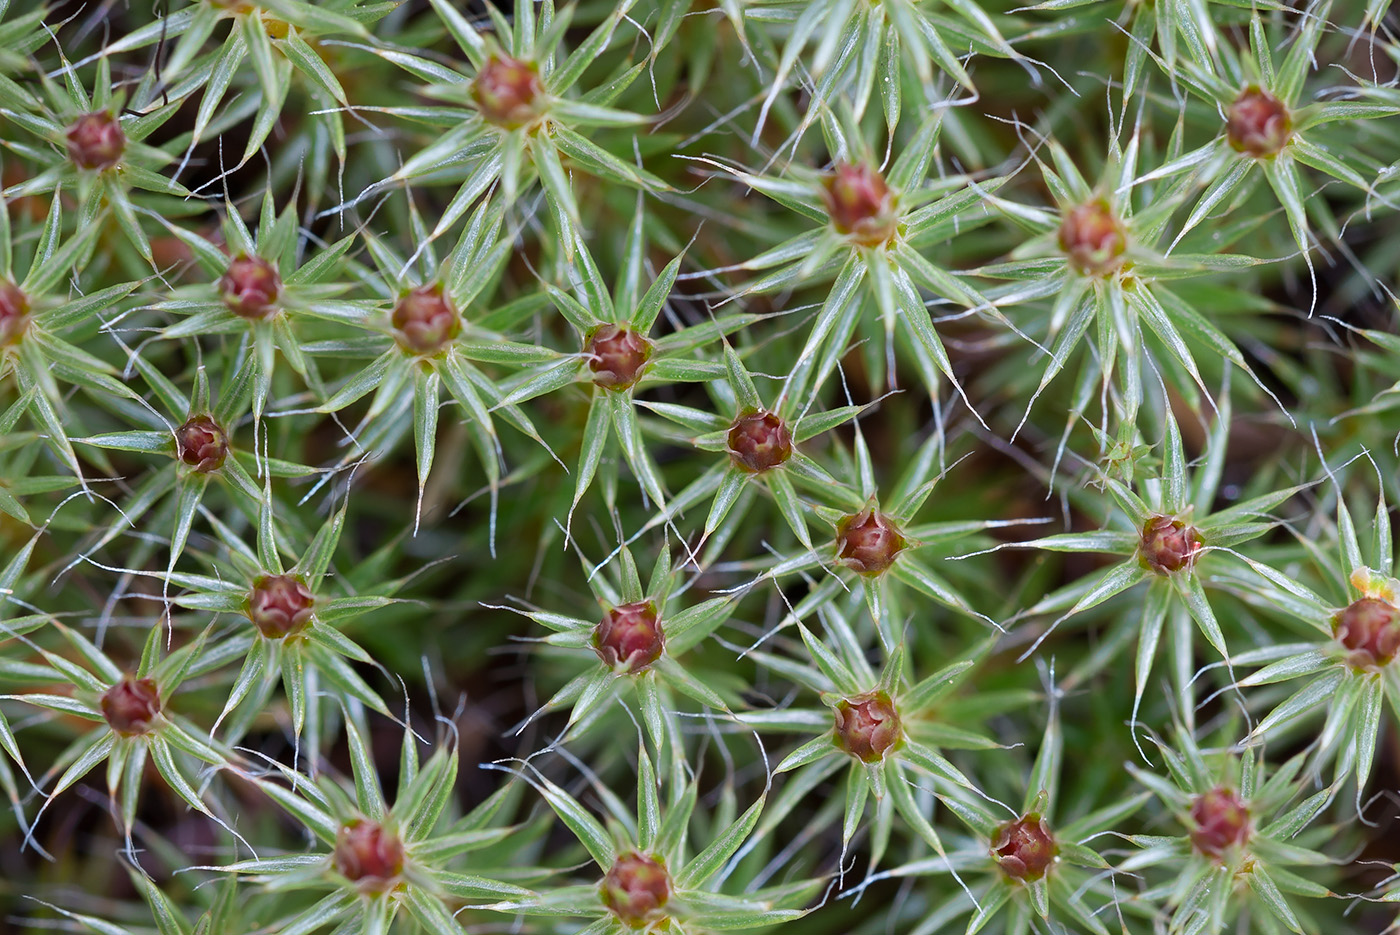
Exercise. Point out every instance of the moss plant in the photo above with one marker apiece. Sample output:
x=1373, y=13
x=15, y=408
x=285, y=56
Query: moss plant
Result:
x=694, y=466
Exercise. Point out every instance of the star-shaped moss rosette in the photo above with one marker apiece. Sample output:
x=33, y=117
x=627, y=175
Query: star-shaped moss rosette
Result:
x=1170, y=544
x=286, y=620
x=1265, y=130
x=761, y=449
x=1246, y=856
x=873, y=224
x=647, y=878
x=1345, y=665
x=256, y=288
x=619, y=358
x=195, y=434
x=376, y=859
x=887, y=728
x=878, y=552
x=508, y=118
x=92, y=149
x=1095, y=260
x=37, y=306
x=289, y=625
x=427, y=341
x=1025, y=864
x=137, y=722
x=269, y=50
x=636, y=637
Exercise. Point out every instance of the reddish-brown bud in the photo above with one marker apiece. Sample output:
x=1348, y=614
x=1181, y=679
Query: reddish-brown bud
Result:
x=1024, y=848
x=1258, y=123
x=251, y=286
x=279, y=605
x=635, y=889
x=369, y=854
x=14, y=314
x=1168, y=545
x=131, y=706
x=860, y=204
x=759, y=441
x=1370, y=628
x=867, y=725
x=96, y=141
x=1222, y=822
x=1093, y=238
x=425, y=320
x=629, y=637
x=617, y=355
x=202, y=444
x=868, y=542
x=507, y=92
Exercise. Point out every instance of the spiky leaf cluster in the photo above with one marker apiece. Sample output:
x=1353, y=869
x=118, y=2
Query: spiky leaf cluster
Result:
x=653, y=466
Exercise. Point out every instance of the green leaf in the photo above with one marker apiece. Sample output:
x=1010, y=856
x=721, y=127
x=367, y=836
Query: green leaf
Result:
x=935, y=687
x=655, y=297
x=1287, y=184
x=708, y=862
x=684, y=681
x=466, y=36
x=638, y=456
x=595, y=436
x=1268, y=892
x=692, y=625
x=556, y=185
x=590, y=833
x=1310, y=699
x=1196, y=602
x=830, y=664
x=165, y=764
x=471, y=886
x=425, y=420
x=564, y=77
